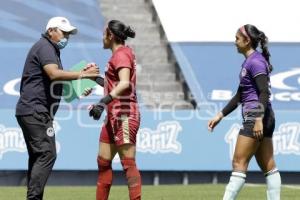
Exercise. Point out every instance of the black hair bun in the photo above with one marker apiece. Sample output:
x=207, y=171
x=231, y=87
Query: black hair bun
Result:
x=129, y=32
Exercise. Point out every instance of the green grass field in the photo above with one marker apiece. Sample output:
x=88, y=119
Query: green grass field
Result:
x=162, y=192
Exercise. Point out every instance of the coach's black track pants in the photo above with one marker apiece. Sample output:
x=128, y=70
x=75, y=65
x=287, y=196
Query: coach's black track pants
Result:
x=40, y=141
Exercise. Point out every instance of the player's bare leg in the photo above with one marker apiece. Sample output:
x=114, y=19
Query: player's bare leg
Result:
x=127, y=150
x=265, y=159
x=127, y=155
x=106, y=153
x=244, y=150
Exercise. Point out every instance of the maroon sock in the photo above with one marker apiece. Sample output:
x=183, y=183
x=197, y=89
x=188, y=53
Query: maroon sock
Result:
x=104, y=178
x=133, y=178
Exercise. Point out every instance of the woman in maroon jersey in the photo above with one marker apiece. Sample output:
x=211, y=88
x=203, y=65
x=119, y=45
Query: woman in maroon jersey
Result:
x=118, y=134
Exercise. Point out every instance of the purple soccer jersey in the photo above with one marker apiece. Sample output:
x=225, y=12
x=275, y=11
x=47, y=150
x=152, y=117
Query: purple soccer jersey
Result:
x=253, y=66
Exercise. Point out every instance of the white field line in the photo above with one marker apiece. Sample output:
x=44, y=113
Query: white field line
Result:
x=297, y=187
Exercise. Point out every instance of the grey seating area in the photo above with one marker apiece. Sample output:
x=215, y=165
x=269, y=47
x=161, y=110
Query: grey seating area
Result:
x=159, y=82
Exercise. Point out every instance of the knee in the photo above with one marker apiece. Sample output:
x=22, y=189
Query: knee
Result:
x=105, y=174
x=129, y=166
x=267, y=166
x=46, y=158
x=51, y=156
x=103, y=164
x=128, y=163
x=240, y=164
x=132, y=173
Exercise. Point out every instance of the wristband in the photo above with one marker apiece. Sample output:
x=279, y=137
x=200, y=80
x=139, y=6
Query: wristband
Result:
x=107, y=99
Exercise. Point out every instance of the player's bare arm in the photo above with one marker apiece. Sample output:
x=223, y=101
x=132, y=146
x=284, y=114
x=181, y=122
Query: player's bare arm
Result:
x=54, y=73
x=124, y=84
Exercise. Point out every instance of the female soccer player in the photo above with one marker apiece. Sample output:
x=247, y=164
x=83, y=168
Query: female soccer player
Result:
x=118, y=134
x=255, y=138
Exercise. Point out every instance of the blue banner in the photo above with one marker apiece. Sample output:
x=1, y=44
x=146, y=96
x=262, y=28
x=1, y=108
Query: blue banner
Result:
x=212, y=71
x=23, y=22
x=166, y=141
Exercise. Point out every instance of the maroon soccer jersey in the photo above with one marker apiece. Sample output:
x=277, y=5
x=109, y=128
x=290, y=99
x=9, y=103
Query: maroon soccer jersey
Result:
x=126, y=104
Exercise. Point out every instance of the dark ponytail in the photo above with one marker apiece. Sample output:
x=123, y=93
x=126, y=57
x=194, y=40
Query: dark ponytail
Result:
x=264, y=46
x=120, y=30
x=258, y=37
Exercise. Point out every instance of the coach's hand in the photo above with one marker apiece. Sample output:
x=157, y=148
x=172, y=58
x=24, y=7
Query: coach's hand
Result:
x=96, y=111
x=91, y=71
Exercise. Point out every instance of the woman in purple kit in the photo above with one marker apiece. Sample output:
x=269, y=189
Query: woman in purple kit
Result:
x=255, y=137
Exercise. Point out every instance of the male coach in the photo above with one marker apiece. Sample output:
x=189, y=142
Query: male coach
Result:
x=40, y=93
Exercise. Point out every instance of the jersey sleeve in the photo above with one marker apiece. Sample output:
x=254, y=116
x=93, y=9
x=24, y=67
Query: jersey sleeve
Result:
x=122, y=60
x=264, y=92
x=47, y=55
x=233, y=103
x=258, y=67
